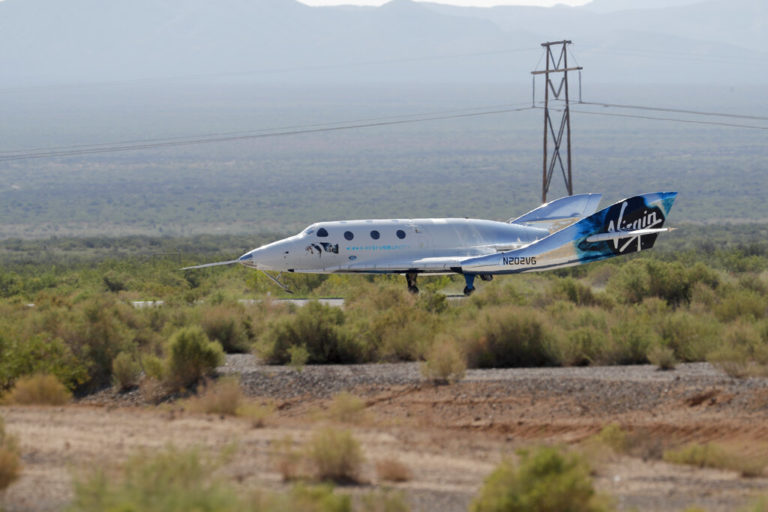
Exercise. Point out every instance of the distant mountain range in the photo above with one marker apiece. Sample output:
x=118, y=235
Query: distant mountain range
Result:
x=284, y=41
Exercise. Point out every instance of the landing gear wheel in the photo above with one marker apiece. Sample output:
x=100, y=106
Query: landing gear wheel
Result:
x=410, y=278
x=470, y=280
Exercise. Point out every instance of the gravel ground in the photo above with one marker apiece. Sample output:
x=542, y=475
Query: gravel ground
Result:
x=456, y=434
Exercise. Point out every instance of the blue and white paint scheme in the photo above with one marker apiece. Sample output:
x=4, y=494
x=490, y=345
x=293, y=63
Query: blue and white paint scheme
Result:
x=562, y=233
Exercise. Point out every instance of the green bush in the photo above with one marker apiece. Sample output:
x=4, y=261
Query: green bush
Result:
x=545, y=480
x=191, y=356
x=170, y=481
x=690, y=336
x=37, y=354
x=741, y=303
x=126, y=371
x=228, y=325
x=510, y=337
x=318, y=328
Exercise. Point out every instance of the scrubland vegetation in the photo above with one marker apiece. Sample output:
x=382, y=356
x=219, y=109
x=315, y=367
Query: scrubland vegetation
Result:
x=77, y=322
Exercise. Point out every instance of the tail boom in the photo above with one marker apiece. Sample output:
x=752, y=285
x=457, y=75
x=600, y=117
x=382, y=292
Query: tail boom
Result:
x=625, y=227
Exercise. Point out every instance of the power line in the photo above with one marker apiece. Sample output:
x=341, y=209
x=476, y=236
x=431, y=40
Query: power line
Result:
x=672, y=119
x=674, y=110
x=330, y=124
x=299, y=130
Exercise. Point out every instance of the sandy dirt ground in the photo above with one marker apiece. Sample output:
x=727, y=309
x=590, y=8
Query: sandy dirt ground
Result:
x=450, y=437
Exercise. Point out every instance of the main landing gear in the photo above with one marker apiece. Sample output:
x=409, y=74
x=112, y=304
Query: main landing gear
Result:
x=410, y=277
x=470, y=280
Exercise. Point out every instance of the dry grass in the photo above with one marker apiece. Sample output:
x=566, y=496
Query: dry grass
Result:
x=747, y=462
x=153, y=390
x=663, y=357
x=335, y=455
x=38, y=389
x=222, y=397
x=346, y=408
x=10, y=465
x=257, y=414
x=288, y=460
x=445, y=363
x=392, y=470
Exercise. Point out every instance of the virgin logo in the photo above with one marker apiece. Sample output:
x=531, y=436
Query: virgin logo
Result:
x=648, y=220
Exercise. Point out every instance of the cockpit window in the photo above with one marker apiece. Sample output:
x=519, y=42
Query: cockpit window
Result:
x=322, y=233
x=309, y=231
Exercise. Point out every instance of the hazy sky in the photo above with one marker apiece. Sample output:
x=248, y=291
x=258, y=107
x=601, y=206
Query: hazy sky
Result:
x=470, y=3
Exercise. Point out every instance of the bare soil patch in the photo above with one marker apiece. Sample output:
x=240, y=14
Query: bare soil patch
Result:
x=449, y=437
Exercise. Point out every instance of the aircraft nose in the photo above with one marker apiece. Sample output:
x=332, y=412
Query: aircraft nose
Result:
x=268, y=257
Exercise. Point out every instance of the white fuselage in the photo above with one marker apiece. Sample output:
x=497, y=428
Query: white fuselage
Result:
x=393, y=245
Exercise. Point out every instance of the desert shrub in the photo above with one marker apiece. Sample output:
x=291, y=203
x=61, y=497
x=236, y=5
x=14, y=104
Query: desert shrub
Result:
x=544, y=480
x=575, y=291
x=392, y=470
x=663, y=357
x=445, y=363
x=318, y=328
x=299, y=355
x=631, y=338
x=126, y=371
x=223, y=397
x=691, y=337
x=509, y=337
x=170, y=481
x=741, y=303
x=671, y=281
x=96, y=333
x=37, y=354
x=335, y=455
x=256, y=414
x=191, y=356
x=10, y=465
x=288, y=460
x=228, y=325
x=346, y=408
x=613, y=436
x=581, y=346
x=153, y=366
x=743, y=352
x=39, y=389
x=748, y=463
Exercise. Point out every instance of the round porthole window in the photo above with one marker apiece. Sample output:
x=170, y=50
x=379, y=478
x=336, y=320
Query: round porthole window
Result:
x=375, y=234
x=322, y=233
x=348, y=235
x=400, y=234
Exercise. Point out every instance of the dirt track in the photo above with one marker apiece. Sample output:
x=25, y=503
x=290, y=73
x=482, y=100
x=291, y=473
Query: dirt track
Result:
x=449, y=436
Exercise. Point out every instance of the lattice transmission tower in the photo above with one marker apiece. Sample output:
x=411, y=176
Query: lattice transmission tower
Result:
x=556, y=67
